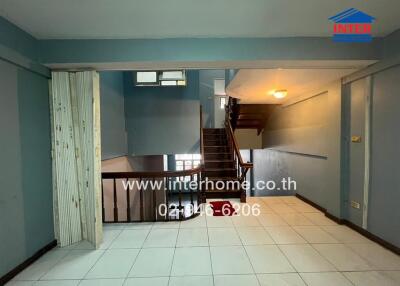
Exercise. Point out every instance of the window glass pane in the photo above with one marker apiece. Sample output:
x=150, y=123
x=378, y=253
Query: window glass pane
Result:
x=219, y=87
x=188, y=163
x=179, y=163
x=177, y=75
x=179, y=168
x=187, y=156
x=223, y=102
x=197, y=156
x=168, y=82
x=182, y=82
x=146, y=77
x=188, y=167
x=196, y=163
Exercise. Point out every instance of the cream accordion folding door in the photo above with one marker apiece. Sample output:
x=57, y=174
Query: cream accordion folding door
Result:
x=75, y=119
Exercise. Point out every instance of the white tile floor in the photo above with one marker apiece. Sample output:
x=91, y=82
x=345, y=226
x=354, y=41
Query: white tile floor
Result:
x=289, y=243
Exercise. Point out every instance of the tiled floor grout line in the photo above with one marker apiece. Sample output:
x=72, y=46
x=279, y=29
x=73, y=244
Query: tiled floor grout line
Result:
x=287, y=258
x=98, y=259
x=307, y=243
x=209, y=252
x=247, y=255
x=280, y=250
x=317, y=252
x=279, y=214
x=173, y=255
x=58, y=261
x=137, y=255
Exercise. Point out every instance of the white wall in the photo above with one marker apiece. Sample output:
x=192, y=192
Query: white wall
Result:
x=248, y=139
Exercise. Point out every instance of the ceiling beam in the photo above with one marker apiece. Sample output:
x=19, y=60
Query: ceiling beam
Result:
x=205, y=52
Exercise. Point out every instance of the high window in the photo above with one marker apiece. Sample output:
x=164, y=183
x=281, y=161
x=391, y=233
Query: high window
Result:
x=161, y=78
x=187, y=161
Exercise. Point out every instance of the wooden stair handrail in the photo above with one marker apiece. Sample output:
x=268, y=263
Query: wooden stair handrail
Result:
x=195, y=174
x=229, y=117
x=235, y=146
x=201, y=137
x=150, y=174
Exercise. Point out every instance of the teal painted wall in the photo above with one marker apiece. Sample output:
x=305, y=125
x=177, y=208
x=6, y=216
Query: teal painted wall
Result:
x=391, y=44
x=383, y=212
x=206, y=93
x=113, y=133
x=162, y=120
x=303, y=141
x=26, y=217
x=20, y=48
x=17, y=40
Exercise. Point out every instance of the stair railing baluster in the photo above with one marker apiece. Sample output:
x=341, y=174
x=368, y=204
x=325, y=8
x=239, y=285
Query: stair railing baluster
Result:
x=128, y=201
x=141, y=200
x=102, y=201
x=115, y=201
x=191, y=190
x=154, y=191
x=179, y=202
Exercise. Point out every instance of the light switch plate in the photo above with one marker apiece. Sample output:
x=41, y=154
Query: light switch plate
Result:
x=355, y=205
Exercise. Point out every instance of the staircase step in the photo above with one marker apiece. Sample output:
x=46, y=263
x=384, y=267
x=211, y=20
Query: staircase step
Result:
x=219, y=164
x=215, y=134
x=218, y=156
x=225, y=178
x=225, y=172
x=207, y=131
x=216, y=149
x=215, y=143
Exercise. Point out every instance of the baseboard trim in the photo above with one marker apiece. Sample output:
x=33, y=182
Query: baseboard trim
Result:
x=318, y=207
x=335, y=218
x=373, y=237
x=353, y=226
x=19, y=268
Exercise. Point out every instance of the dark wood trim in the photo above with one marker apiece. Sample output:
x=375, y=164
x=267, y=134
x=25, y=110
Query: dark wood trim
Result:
x=335, y=218
x=151, y=175
x=223, y=194
x=353, y=226
x=318, y=207
x=373, y=237
x=19, y=268
x=115, y=157
x=201, y=137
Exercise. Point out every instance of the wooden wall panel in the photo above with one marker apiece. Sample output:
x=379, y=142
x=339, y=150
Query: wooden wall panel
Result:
x=76, y=162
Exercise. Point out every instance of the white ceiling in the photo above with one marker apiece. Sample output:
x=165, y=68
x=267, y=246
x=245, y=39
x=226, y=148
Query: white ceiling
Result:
x=116, y=19
x=257, y=85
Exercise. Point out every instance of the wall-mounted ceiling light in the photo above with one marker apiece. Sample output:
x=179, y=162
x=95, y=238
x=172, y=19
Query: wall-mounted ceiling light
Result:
x=280, y=93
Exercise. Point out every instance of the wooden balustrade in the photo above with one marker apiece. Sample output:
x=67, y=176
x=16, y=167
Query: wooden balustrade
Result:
x=143, y=203
x=230, y=116
x=171, y=189
x=176, y=200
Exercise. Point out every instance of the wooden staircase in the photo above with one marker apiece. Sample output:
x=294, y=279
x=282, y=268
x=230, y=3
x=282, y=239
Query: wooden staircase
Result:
x=249, y=116
x=222, y=162
x=219, y=164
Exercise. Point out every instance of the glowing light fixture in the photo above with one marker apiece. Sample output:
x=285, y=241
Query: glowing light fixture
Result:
x=280, y=93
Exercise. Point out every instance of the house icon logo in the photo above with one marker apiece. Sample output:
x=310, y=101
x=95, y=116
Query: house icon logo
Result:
x=352, y=25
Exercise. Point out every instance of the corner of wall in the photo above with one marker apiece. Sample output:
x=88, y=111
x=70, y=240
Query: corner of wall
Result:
x=20, y=48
